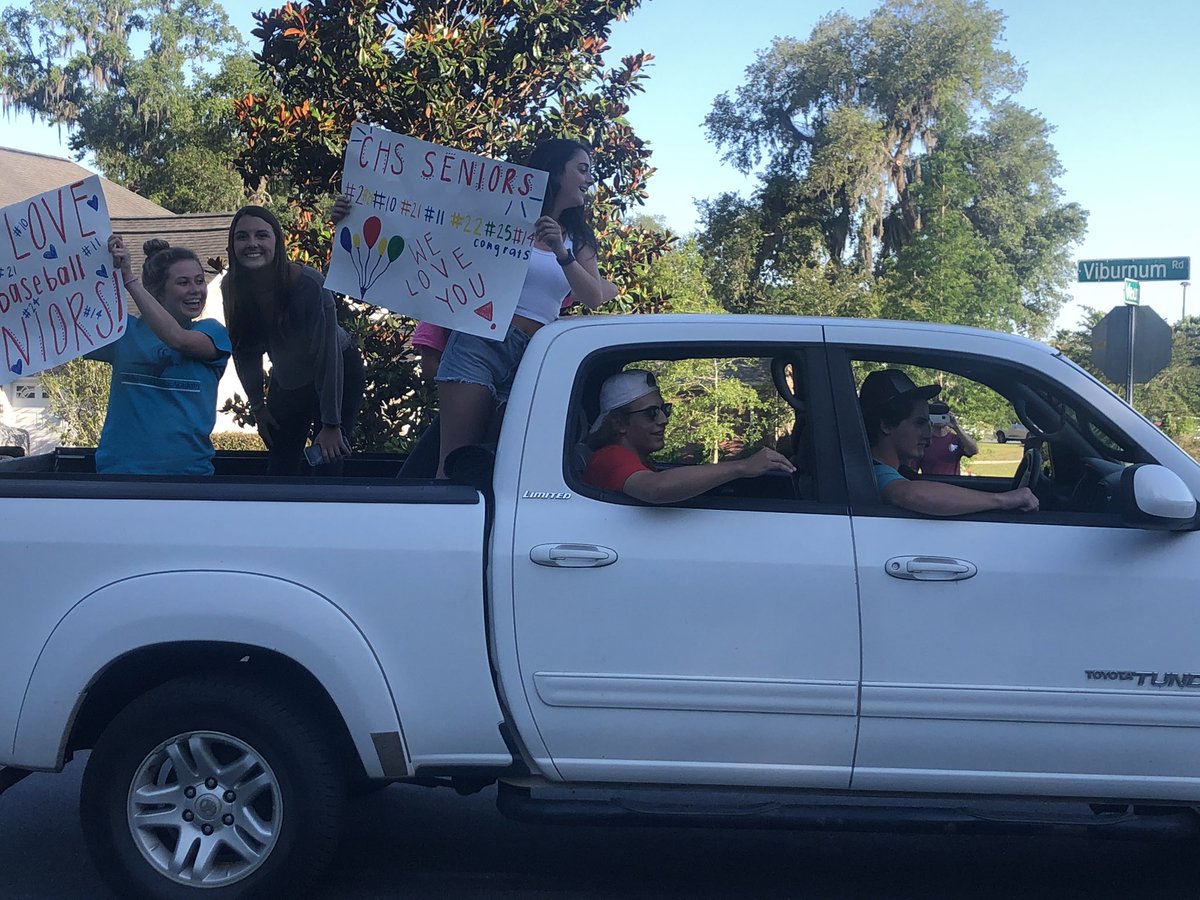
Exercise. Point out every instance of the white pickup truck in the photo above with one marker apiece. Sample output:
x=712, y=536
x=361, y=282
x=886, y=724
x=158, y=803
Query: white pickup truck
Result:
x=241, y=654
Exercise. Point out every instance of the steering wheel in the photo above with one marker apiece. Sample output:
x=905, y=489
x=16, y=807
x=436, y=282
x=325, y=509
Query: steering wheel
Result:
x=1029, y=470
x=1021, y=407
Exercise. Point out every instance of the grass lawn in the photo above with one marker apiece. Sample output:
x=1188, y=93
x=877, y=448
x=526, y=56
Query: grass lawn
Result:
x=994, y=459
x=1001, y=459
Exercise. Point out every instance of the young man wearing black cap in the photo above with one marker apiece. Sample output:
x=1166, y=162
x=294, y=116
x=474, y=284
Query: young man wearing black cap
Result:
x=896, y=413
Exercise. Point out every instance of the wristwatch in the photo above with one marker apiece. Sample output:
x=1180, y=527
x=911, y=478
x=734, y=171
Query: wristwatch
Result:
x=566, y=260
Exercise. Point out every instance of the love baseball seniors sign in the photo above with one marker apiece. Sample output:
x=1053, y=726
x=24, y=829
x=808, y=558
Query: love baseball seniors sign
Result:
x=438, y=234
x=59, y=295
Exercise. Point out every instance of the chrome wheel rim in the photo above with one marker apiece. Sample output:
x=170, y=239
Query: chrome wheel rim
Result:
x=204, y=809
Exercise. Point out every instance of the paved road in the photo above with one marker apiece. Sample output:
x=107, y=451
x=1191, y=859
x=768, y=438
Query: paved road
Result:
x=408, y=842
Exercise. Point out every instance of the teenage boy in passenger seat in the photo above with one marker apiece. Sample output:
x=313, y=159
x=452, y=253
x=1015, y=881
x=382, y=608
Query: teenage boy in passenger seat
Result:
x=896, y=413
x=630, y=427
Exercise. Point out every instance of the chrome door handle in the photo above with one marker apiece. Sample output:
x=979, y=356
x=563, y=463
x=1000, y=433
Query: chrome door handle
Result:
x=929, y=568
x=573, y=556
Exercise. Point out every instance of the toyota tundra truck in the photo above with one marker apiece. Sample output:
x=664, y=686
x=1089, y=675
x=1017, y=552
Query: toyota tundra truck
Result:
x=242, y=655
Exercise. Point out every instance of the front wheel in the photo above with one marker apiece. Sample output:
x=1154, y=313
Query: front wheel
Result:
x=209, y=786
x=1001, y=437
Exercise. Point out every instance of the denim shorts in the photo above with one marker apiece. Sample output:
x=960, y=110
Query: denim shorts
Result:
x=474, y=360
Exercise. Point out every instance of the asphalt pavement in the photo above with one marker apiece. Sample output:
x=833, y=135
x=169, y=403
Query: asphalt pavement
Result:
x=410, y=842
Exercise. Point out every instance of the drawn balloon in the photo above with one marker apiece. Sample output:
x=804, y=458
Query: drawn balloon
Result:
x=371, y=229
x=386, y=251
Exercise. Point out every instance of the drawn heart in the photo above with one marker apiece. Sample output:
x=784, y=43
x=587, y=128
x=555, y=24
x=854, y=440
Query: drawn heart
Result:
x=52, y=253
x=94, y=202
x=102, y=271
x=485, y=312
x=17, y=367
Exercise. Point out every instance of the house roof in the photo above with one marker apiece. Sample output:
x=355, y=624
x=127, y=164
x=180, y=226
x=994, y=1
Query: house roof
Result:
x=27, y=174
x=206, y=234
x=133, y=217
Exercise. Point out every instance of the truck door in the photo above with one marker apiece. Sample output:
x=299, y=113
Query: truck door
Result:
x=710, y=641
x=989, y=639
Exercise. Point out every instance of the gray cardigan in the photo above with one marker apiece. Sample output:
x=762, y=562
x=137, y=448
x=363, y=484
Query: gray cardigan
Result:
x=308, y=352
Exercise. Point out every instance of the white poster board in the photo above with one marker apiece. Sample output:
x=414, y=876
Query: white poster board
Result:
x=437, y=234
x=59, y=295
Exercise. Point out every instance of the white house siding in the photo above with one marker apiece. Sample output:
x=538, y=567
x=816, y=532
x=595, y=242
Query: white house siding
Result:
x=229, y=381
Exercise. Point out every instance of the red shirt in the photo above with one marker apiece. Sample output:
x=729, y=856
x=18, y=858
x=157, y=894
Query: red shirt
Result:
x=942, y=455
x=610, y=467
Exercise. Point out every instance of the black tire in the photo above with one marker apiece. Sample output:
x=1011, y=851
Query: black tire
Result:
x=282, y=832
x=1001, y=437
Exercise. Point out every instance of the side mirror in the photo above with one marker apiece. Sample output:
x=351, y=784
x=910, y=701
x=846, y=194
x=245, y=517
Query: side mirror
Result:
x=1154, y=497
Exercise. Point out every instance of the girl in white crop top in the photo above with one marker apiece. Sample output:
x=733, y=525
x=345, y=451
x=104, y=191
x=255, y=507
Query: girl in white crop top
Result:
x=475, y=374
x=545, y=287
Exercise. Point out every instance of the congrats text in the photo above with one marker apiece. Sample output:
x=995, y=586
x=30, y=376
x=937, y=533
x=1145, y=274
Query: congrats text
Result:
x=59, y=295
x=437, y=234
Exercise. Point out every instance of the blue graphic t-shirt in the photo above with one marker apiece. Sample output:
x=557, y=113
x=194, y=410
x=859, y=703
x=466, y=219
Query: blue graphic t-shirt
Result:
x=162, y=405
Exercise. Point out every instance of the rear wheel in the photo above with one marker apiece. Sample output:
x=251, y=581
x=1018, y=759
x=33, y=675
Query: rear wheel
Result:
x=209, y=786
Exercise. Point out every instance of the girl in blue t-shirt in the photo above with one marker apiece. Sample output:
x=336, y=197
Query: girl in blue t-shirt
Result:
x=162, y=403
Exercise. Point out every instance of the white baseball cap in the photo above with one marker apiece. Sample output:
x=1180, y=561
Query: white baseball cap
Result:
x=621, y=389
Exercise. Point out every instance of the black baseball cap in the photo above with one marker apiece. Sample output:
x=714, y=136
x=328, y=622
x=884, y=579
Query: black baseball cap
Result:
x=885, y=385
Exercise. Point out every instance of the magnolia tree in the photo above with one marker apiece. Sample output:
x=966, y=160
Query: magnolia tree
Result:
x=487, y=76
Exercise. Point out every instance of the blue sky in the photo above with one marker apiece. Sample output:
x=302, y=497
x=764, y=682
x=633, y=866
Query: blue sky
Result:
x=1119, y=81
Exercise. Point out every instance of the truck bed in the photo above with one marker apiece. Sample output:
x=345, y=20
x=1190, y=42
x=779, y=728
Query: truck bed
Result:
x=243, y=463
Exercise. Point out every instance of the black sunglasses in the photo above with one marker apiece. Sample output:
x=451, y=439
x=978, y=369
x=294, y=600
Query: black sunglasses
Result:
x=651, y=412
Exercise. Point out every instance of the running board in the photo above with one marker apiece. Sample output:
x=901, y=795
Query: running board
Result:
x=624, y=805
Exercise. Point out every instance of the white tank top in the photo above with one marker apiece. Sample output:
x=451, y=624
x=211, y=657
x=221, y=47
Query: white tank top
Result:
x=545, y=287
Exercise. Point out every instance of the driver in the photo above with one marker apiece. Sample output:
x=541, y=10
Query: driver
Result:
x=630, y=427
x=896, y=413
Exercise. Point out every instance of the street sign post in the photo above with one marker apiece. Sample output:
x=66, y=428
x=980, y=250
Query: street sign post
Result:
x=1116, y=354
x=1158, y=268
x=1133, y=292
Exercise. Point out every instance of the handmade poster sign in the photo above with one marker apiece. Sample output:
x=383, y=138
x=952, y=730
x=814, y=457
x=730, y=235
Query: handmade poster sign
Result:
x=59, y=295
x=438, y=234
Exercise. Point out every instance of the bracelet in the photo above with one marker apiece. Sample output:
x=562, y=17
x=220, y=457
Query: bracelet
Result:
x=132, y=280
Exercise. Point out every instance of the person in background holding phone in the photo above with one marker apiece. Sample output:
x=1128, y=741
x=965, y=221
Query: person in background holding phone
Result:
x=948, y=443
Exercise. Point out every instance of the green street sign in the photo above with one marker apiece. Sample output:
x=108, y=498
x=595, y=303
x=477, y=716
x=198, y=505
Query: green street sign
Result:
x=1163, y=268
x=1133, y=292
